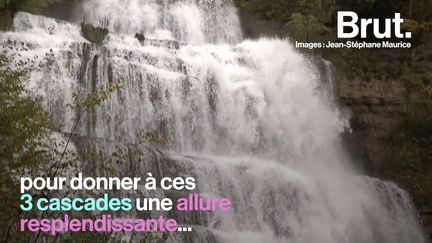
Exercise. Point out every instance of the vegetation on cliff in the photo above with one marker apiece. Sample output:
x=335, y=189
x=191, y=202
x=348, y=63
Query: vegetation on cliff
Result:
x=417, y=13
x=23, y=125
x=24, y=5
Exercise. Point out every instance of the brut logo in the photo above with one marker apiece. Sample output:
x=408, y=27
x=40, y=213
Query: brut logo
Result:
x=348, y=26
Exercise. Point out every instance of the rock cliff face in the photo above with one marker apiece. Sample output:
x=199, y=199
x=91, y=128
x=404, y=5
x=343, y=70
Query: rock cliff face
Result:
x=377, y=113
x=377, y=108
x=374, y=107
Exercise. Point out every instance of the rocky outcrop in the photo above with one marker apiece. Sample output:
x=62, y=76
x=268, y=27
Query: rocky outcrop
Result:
x=140, y=37
x=93, y=34
x=375, y=107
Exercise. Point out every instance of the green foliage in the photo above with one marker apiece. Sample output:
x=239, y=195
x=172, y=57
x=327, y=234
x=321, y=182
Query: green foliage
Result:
x=412, y=78
x=4, y=3
x=96, y=98
x=34, y=6
x=412, y=142
x=23, y=125
x=414, y=26
x=308, y=29
x=24, y=5
x=279, y=9
x=152, y=137
x=412, y=153
x=282, y=10
x=23, y=120
x=322, y=14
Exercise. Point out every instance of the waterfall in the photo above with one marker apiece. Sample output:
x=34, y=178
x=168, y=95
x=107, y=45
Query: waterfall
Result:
x=191, y=21
x=248, y=119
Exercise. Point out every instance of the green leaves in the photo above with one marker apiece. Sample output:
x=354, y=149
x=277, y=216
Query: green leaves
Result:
x=23, y=121
x=412, y=152
x=96, y=98
x=23, y=124
x=4, y=3
x=151, y=137
x=308, y=28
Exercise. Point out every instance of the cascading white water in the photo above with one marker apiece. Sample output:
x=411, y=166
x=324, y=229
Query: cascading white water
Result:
x=191, y=21
x=247, y=119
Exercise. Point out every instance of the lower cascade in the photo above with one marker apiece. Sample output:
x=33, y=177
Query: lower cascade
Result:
x=252, y=121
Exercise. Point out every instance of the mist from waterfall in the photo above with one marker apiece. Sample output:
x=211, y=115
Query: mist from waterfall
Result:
x=249, y=119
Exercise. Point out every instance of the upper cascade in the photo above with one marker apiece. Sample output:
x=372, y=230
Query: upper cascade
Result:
x=190, y=21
